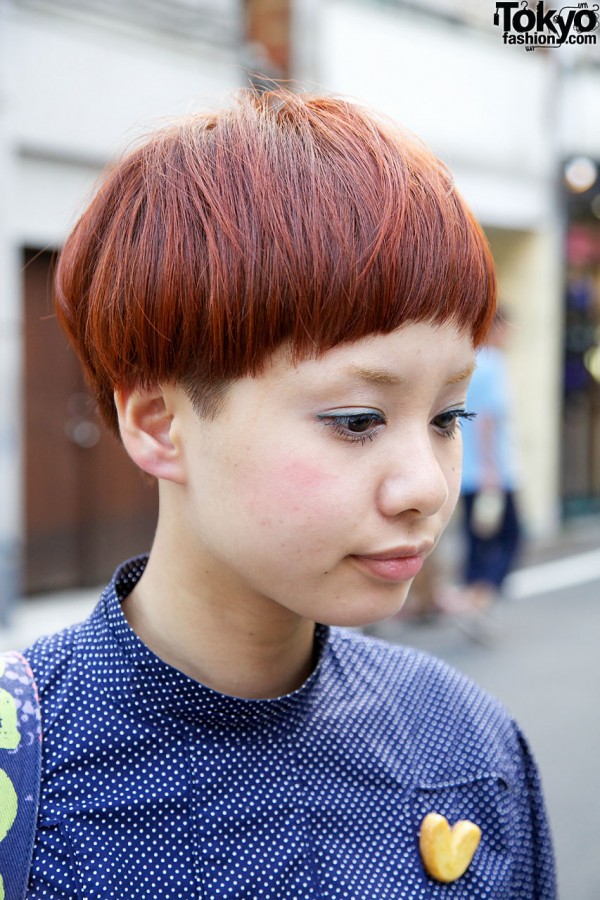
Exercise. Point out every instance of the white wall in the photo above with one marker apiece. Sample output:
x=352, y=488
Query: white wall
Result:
x=81, y=94
x=582, y=111
x=471, y=98
x=89, y=90
x=529, y=269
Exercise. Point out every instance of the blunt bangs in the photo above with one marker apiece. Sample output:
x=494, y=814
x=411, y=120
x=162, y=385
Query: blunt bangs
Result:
x=285, y=218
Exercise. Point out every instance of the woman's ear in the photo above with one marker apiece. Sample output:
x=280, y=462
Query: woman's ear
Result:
x=145, y=419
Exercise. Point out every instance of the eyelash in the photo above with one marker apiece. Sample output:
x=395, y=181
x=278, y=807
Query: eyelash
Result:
x=457, y=417
x=341, y=423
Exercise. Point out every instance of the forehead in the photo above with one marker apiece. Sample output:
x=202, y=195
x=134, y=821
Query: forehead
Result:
x=414, y=352
x=416, y=363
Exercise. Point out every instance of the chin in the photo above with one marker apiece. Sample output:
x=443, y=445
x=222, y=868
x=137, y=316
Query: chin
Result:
x=361, y=614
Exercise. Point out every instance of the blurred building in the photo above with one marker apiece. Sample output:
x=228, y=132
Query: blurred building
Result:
x=82, y=79
x=79, y=81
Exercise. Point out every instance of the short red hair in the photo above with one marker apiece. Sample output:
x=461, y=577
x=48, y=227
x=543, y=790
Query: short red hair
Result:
x=285, y=218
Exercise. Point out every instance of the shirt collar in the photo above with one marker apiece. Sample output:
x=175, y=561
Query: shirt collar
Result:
x=153, y=689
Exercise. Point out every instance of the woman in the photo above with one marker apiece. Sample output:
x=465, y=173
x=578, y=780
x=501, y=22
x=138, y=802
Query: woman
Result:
x=277, y=307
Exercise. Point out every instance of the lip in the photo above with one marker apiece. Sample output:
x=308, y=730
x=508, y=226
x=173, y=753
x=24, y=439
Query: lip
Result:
x=397, y=565
x=398, y=552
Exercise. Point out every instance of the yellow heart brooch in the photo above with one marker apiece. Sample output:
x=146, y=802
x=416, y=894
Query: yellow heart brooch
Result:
x=447, y=852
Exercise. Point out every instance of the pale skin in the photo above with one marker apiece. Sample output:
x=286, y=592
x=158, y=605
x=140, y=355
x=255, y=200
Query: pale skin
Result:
x=314, y=495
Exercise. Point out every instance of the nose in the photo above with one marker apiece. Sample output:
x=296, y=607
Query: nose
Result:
x=415, y=482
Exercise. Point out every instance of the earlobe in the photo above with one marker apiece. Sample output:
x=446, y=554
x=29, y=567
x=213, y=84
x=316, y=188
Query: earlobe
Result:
x=145, y=421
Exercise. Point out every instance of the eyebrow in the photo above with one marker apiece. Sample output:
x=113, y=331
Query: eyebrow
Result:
x=373, y=376
x=386, y=377
x=462, y=376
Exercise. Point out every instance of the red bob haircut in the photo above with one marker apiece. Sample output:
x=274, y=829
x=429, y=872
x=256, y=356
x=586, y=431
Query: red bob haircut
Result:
x=284, y=218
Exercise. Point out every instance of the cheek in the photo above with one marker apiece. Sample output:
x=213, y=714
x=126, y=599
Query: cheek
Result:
x=294, y=492
x=453, y=479
x=306, y=479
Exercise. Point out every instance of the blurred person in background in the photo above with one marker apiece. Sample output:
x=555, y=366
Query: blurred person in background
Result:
x=491, y=521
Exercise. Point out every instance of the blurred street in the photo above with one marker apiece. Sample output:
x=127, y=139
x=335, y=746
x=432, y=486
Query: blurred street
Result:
x=544, y=665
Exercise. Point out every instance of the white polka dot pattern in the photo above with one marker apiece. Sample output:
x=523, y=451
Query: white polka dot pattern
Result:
x=155, y=786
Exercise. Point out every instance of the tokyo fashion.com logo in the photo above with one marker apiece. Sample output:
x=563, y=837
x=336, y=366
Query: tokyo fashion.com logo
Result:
x=542, y=27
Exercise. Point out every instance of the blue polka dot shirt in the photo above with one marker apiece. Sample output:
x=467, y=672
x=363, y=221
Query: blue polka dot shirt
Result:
x=155, y=786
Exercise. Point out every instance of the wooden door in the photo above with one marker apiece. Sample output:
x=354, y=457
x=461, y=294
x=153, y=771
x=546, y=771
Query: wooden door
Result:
x=86, y=505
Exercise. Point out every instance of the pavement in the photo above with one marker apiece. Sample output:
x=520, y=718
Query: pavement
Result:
x=543, y=663
x=45, y=614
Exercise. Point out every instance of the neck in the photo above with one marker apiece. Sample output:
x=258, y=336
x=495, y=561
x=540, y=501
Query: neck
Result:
x=242, y=646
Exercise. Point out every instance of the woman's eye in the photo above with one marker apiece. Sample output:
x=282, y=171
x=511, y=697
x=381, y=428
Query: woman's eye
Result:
x=362, y=425
x=449, y=421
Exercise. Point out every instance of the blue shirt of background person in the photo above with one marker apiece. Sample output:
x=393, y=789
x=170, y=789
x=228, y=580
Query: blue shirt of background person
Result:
x=489, y=396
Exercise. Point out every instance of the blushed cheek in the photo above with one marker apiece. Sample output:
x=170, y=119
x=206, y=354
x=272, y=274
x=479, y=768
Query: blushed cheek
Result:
x=305, y=478
x=293, y=489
